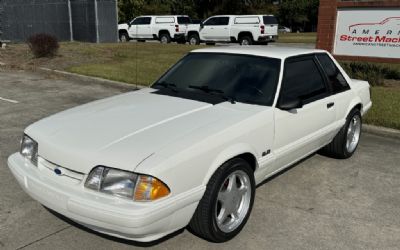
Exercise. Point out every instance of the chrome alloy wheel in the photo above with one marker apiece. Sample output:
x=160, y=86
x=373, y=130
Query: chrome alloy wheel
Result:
x=353, y=134
x=245, y=42
x=233, y=201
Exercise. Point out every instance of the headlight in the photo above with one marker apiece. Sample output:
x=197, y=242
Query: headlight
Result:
x=29, y=149
x=126, y=184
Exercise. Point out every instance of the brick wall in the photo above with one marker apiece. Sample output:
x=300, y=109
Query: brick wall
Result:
x=327, y=24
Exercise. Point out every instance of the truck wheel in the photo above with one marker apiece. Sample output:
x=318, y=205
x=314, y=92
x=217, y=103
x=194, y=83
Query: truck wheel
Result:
x=227, y=202
x=245, y=40
x=346, y=141
x=165, y=38
x=123, y=37
x=194, y=39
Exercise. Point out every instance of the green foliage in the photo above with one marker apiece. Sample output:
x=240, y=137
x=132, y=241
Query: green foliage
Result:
x=128, y=9
x=374, y=73
x=299, y=14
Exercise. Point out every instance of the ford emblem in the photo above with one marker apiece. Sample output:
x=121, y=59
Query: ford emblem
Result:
x=57, y=171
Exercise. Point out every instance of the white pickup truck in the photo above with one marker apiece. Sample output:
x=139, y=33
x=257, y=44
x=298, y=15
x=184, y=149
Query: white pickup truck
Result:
x=191, y=149
x=245, y=30
x=162, y=28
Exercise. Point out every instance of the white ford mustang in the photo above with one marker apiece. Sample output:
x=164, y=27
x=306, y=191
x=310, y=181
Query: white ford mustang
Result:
x=191, y=149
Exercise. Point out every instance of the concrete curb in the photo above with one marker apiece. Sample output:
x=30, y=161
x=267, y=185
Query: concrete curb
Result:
x=381, y=131
x=99, y=80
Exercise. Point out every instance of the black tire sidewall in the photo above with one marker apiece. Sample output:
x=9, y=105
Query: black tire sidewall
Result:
x=354, y=112
x=230, y=167
x=196, y=37
x=167, y=36
x=245, y=38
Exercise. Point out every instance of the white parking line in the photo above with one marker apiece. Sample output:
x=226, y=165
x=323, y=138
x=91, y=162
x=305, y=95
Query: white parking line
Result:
x=8, y=100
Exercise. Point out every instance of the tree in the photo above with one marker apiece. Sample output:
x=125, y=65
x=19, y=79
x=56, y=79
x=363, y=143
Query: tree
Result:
x=128, y=9
x=299, y=14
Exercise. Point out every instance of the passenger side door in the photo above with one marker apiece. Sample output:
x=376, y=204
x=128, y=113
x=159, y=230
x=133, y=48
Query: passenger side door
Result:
x=301, y=131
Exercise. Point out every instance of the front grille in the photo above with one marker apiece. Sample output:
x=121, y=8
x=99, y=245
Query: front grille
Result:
x=64, y=171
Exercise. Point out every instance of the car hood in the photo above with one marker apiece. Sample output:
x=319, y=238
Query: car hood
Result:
x=121, y=131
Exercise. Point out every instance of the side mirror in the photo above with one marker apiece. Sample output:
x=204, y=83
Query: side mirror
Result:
x=202, y=25
x=290, y=103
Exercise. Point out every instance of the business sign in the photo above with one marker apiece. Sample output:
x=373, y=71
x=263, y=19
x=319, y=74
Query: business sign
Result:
x=368, y=32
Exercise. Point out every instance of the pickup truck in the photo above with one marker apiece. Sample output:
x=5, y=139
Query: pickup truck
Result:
x=244, y=30
x=192, y=148
x=162, y=28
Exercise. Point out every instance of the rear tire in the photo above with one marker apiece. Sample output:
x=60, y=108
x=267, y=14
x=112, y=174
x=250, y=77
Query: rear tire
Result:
x=227, y=202
x=165, y=38
x=245, y=40
x=346, y=141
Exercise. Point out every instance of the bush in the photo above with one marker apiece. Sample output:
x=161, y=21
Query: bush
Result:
x=43, y=45
x=374, y=73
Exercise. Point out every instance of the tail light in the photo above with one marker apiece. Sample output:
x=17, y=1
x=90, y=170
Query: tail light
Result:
x=177, y=28
x=262, y=29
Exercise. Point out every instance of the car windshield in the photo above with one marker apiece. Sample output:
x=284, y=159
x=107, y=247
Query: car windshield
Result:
x=241, y=78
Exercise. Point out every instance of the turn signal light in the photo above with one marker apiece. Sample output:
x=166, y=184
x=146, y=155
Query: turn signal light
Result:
x=149, y=189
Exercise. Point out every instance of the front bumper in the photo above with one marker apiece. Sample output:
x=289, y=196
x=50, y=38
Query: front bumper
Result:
x=104, y=213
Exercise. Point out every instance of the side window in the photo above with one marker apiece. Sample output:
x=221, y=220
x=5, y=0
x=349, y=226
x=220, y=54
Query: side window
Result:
x=223, y=20
x=146, y=20
x=302, y=79
x=336, y=79
x=137, y=21
x=211, y=21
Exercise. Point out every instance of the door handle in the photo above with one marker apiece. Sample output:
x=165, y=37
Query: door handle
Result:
x=330, y=105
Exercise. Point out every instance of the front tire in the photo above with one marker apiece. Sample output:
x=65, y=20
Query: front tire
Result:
x=123, y=37
x=227, y=203
x=194, y=39
x=346, y=141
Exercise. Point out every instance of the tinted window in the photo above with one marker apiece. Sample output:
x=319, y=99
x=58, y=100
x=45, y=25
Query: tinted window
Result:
x=184, y=20
x=142, y=21
x=336, y=79
x=223, y=20
x=247, y=79
x=270, y=20
x=303, y=80
x=217, y=21
x=211, y=21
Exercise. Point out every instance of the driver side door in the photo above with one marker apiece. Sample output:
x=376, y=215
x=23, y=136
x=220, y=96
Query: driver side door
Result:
x=301, y=131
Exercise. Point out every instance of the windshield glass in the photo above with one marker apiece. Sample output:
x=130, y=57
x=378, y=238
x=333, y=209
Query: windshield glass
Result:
x=241, y=78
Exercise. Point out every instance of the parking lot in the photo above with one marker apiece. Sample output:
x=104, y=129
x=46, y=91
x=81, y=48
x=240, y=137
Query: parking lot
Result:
x=320, y=203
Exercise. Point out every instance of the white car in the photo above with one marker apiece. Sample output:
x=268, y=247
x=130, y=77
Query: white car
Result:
x=162, y=28
x=191, y=149
x=284, y=29
x=244, y=30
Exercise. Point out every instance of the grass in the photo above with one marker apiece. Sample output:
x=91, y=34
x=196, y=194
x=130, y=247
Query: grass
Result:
x=385, y=108
x=297, y=37
x=149, y=60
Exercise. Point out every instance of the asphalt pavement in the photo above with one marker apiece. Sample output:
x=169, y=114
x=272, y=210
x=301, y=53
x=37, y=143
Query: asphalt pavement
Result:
x=320, y=203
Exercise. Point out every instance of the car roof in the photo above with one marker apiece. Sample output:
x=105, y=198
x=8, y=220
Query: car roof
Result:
x=265, y=51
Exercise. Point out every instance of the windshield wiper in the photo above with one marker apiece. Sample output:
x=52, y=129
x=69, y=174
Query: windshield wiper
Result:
x=167, y=85
x=209, y=90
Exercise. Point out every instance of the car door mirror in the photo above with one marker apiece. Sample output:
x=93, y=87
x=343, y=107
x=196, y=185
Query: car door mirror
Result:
x=290, y=103
x=202, y=25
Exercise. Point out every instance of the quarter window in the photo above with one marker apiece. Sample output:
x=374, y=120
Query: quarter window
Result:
x=302, y=79
x=335, y=78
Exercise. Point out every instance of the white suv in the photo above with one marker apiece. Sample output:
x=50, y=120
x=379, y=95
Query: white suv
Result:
x=162, y=28
x=243, y=29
